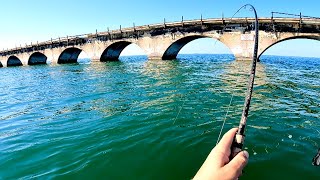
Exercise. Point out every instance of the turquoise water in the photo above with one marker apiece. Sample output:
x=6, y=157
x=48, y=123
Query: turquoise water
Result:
x=139, y=119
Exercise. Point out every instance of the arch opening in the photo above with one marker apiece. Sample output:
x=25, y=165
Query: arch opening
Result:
x=37, y=58
x=132, y=51
x=69, y=55
x=197, y=44
x=112, y=52
x=13, y=61
x=294, y=46
x=83, y=58
x=1, y=65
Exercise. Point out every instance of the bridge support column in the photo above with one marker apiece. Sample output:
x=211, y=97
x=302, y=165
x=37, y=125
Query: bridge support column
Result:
x=3, y=61
x=53, y=54
x=95, y=49
x=156, y=46
x=240, y=44
x=24, y=57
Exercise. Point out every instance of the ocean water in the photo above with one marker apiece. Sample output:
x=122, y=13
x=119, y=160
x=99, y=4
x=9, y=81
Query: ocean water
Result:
x=140, y=119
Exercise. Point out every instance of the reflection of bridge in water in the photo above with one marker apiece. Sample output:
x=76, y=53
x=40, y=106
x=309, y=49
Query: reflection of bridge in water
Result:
x=165, y=40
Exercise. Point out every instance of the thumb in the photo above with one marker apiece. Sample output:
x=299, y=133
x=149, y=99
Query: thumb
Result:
x=236, y=165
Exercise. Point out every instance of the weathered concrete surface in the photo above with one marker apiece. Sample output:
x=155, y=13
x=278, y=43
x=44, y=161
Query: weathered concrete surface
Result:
x=164, y=41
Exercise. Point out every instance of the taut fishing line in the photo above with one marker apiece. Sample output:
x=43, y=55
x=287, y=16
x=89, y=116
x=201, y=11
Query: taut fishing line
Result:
x=239, y=139
x=184, y=101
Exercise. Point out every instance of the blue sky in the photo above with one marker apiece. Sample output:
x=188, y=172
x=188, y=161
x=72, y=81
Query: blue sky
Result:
x=38, y=20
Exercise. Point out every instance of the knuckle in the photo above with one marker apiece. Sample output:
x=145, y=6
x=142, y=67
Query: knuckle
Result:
x=242, y=160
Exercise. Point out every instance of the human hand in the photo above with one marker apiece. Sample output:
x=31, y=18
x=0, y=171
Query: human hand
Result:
x=217, y=166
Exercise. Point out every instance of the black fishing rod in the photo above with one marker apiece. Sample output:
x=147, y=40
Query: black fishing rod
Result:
x=238, y=140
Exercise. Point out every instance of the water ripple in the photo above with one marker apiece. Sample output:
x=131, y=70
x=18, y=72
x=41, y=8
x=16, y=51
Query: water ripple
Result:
x=155, y=117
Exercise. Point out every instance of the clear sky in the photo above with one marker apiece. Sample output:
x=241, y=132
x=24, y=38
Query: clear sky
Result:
x=25, y=21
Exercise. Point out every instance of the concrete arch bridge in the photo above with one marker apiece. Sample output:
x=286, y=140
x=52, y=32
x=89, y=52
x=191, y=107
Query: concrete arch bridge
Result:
x=165, y=40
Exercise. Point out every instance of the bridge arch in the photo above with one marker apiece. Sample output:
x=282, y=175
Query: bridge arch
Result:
x=113, y=51
x=69, y=55
x=289, y=38
x=37, y=58
x=1, y=65
x=14, y=61
x=172, y=51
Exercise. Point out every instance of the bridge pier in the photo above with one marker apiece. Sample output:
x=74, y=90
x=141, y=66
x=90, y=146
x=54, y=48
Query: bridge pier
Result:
x=53, y=54
x=155, y=47
x=94, y=49
x=240, y=44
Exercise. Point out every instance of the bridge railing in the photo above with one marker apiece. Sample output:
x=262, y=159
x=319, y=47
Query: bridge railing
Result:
x=187, y=22
x=301, y=16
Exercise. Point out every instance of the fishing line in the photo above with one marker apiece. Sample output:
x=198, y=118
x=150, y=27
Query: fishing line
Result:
x=223, y=30
x=175, y=119
x=228, y=109
x=232, y=95
x=231, y=99
x=184, y=101
x=225, y=118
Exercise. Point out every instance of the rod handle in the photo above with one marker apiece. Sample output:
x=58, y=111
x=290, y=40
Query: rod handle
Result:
x=237, y=145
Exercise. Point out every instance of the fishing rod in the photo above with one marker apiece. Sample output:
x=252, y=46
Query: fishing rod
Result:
x=238, y=140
